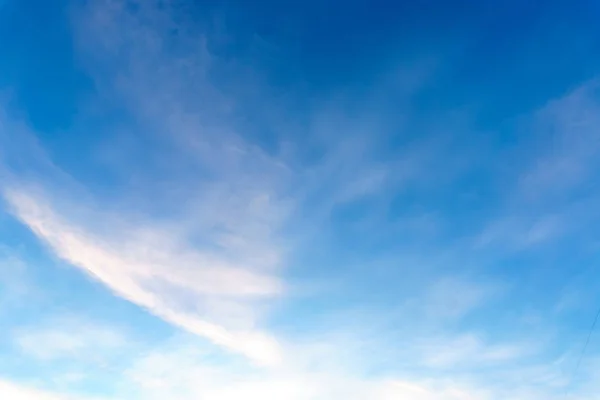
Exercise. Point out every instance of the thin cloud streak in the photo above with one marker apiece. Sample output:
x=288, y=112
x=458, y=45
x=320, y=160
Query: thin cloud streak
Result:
x=150, y=283
x=13, y=391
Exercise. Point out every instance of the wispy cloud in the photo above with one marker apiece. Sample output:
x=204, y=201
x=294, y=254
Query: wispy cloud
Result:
x=452, y=297
x=555, y=177
x=69, y=338
x=470, y=350
x=309, y=376
x=10, y=390
x=168, y=283
x=201, y=247
x=569, y=144
x=13, y=280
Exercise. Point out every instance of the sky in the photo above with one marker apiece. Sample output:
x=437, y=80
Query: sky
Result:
x=362, y=200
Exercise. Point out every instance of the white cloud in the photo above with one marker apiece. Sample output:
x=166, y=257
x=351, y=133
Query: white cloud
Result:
x=185, y=368
x=182, y=373
x=555, y=174
x=172, y=284
x=453, y=297
x=69, y=338
x=14, y=284
x=400, y=390
x=13, y=391
x=467, y=350
x=569, y=148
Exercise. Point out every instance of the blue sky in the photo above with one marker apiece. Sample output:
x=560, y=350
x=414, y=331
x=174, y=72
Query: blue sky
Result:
x=359, y=200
